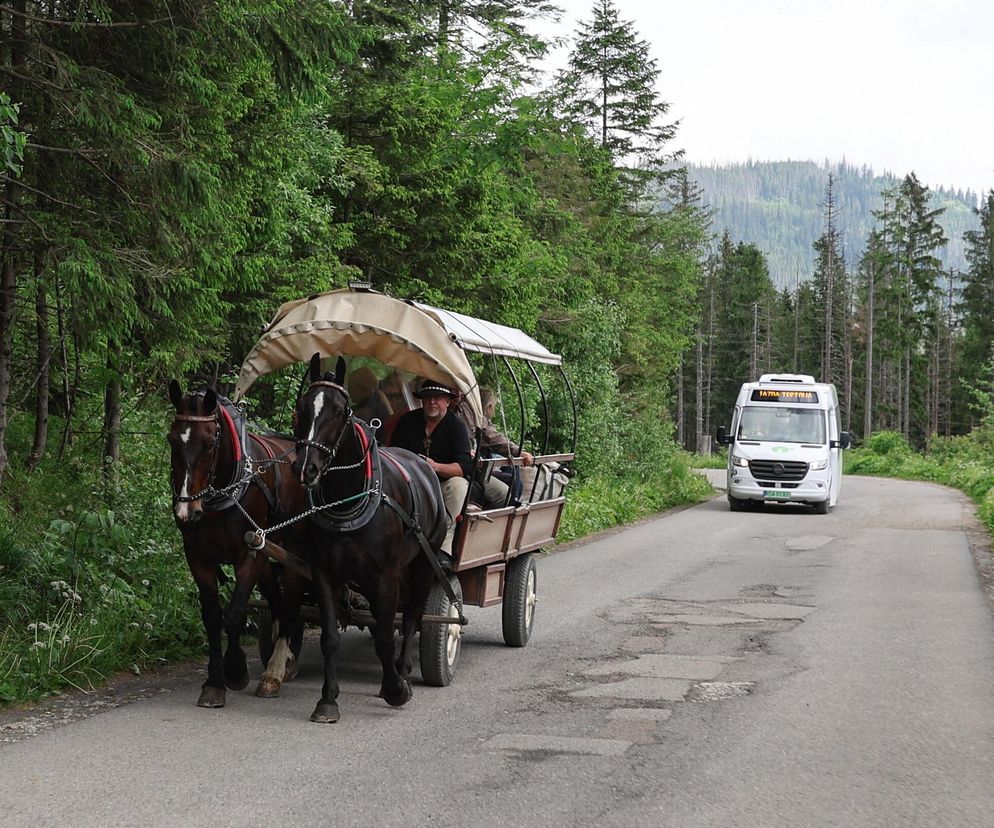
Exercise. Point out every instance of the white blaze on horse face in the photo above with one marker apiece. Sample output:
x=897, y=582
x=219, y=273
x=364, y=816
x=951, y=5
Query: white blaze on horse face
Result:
x=183, y=506
x=185, y=436
x=318, y=405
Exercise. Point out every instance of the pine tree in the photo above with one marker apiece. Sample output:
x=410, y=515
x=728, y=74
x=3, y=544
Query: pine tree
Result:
x=610, y=87
x=974, y=309
x=908, y=289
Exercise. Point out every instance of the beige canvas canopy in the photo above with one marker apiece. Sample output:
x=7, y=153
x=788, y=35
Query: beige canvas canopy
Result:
x=420, y=339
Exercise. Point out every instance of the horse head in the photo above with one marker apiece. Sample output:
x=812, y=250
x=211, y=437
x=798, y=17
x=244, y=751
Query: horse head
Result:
x=322, y=416
x=194, y=438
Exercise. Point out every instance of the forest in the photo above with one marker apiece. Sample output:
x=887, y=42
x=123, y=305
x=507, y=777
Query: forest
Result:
x=173, y=171
x=778, y=206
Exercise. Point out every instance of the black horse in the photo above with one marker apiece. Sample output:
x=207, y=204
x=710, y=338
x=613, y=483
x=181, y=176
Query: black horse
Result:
x=219, y=474
x=382, y=516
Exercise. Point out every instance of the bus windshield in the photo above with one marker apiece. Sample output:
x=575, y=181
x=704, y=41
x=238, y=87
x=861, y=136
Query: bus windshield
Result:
x=782, y=425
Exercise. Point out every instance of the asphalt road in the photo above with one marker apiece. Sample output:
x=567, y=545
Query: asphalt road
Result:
x=773, y=668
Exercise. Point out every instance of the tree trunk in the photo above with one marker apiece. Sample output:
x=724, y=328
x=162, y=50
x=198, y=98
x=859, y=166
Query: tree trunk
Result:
x=9, y=246
x=699, y=432
x=67, y=389
x=680, y=414
x=44, y=361
x=753, y=361
x=8, y=286
x=906, y=395
x=112, y=417
x=710, y=365
x=868, y=392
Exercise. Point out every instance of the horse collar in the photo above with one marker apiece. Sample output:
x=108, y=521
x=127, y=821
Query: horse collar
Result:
x=367, y=501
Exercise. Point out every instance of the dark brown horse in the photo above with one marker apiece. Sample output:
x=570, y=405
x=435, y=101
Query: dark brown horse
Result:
x=222, y=477
x=382, y=516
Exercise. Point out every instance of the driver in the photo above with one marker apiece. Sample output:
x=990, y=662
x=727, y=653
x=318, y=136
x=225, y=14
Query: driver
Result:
x=440, y=437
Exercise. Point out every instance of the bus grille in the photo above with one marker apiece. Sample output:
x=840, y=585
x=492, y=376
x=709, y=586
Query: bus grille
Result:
x=778, y=469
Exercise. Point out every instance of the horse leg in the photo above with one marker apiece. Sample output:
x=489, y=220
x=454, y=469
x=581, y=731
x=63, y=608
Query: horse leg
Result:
x=282, y=664
x=327, y=708
x=205, y=575
x=421, y=578
x=395, y=689
x=236, y=674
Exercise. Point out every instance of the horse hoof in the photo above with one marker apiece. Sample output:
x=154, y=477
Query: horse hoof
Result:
x=211, y=697
x=398, y=697
x=291, y=669
x=325, y=713
x=268, y=688
x=239, y=683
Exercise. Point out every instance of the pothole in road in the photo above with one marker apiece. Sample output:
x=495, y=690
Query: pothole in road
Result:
x=713, y=691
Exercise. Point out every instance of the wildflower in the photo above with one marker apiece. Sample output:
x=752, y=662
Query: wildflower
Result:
x=93, y=622
x=43, y=626
x=145, y=582
x=65, y=639
x=39, y=645
x=33, y=626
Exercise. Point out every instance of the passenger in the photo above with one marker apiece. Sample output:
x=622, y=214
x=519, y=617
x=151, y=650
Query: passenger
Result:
x=438, y=435
x=494, y=444
x=394, y=387
x=368, y=402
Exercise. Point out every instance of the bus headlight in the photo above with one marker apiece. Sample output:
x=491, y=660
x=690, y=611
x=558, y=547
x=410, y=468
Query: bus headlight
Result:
x=818, y=465
x=739, y=461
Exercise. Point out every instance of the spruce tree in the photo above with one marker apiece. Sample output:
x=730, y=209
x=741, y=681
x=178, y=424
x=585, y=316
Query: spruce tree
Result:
x=609, y=86
x=975, y=311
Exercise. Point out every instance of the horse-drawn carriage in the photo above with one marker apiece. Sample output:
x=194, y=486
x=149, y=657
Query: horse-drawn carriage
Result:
x=356, y=484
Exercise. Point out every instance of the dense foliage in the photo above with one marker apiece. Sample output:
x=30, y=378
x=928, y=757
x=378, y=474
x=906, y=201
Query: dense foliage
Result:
x=172, y=172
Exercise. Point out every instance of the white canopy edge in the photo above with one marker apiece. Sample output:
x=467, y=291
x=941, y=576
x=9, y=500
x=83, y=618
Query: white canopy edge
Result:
x=344, y=322
x=490, y=338
x=420, y=339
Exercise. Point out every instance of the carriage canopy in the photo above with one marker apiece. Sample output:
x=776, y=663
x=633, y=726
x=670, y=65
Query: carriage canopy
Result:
x=410, y=336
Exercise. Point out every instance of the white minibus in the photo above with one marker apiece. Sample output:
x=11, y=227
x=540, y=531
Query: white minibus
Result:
x=785, y=443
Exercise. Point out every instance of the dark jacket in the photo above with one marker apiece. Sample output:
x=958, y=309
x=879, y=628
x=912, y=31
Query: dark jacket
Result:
x=449, y=442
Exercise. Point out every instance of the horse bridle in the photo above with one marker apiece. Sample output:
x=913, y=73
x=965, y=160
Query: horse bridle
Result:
x=201, y=418
x=331, y=452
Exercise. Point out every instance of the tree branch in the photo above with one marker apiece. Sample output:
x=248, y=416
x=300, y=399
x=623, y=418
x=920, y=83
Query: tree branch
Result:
x=56, y=21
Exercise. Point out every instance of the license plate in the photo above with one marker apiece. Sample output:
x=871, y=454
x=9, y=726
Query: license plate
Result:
x=777, y=494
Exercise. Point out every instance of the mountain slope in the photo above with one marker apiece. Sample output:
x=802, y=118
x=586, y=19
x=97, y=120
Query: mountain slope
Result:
x=779, y=207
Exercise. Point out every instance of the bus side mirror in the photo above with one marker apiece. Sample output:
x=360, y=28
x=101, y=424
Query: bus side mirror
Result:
x=843, y=442
x=722, y=439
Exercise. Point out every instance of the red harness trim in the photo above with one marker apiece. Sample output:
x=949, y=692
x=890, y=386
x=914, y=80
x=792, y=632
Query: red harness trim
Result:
x=234, y=434
x=364, y=442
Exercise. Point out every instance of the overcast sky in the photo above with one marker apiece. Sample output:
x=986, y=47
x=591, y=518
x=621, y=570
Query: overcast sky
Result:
x=898, y=85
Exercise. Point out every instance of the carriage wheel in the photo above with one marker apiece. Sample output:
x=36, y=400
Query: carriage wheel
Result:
x=519, y=600
x=266, y=646
x=440, y=643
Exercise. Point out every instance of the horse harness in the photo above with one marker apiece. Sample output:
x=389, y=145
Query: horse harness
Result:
x=364, y=505
x=217, y=501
